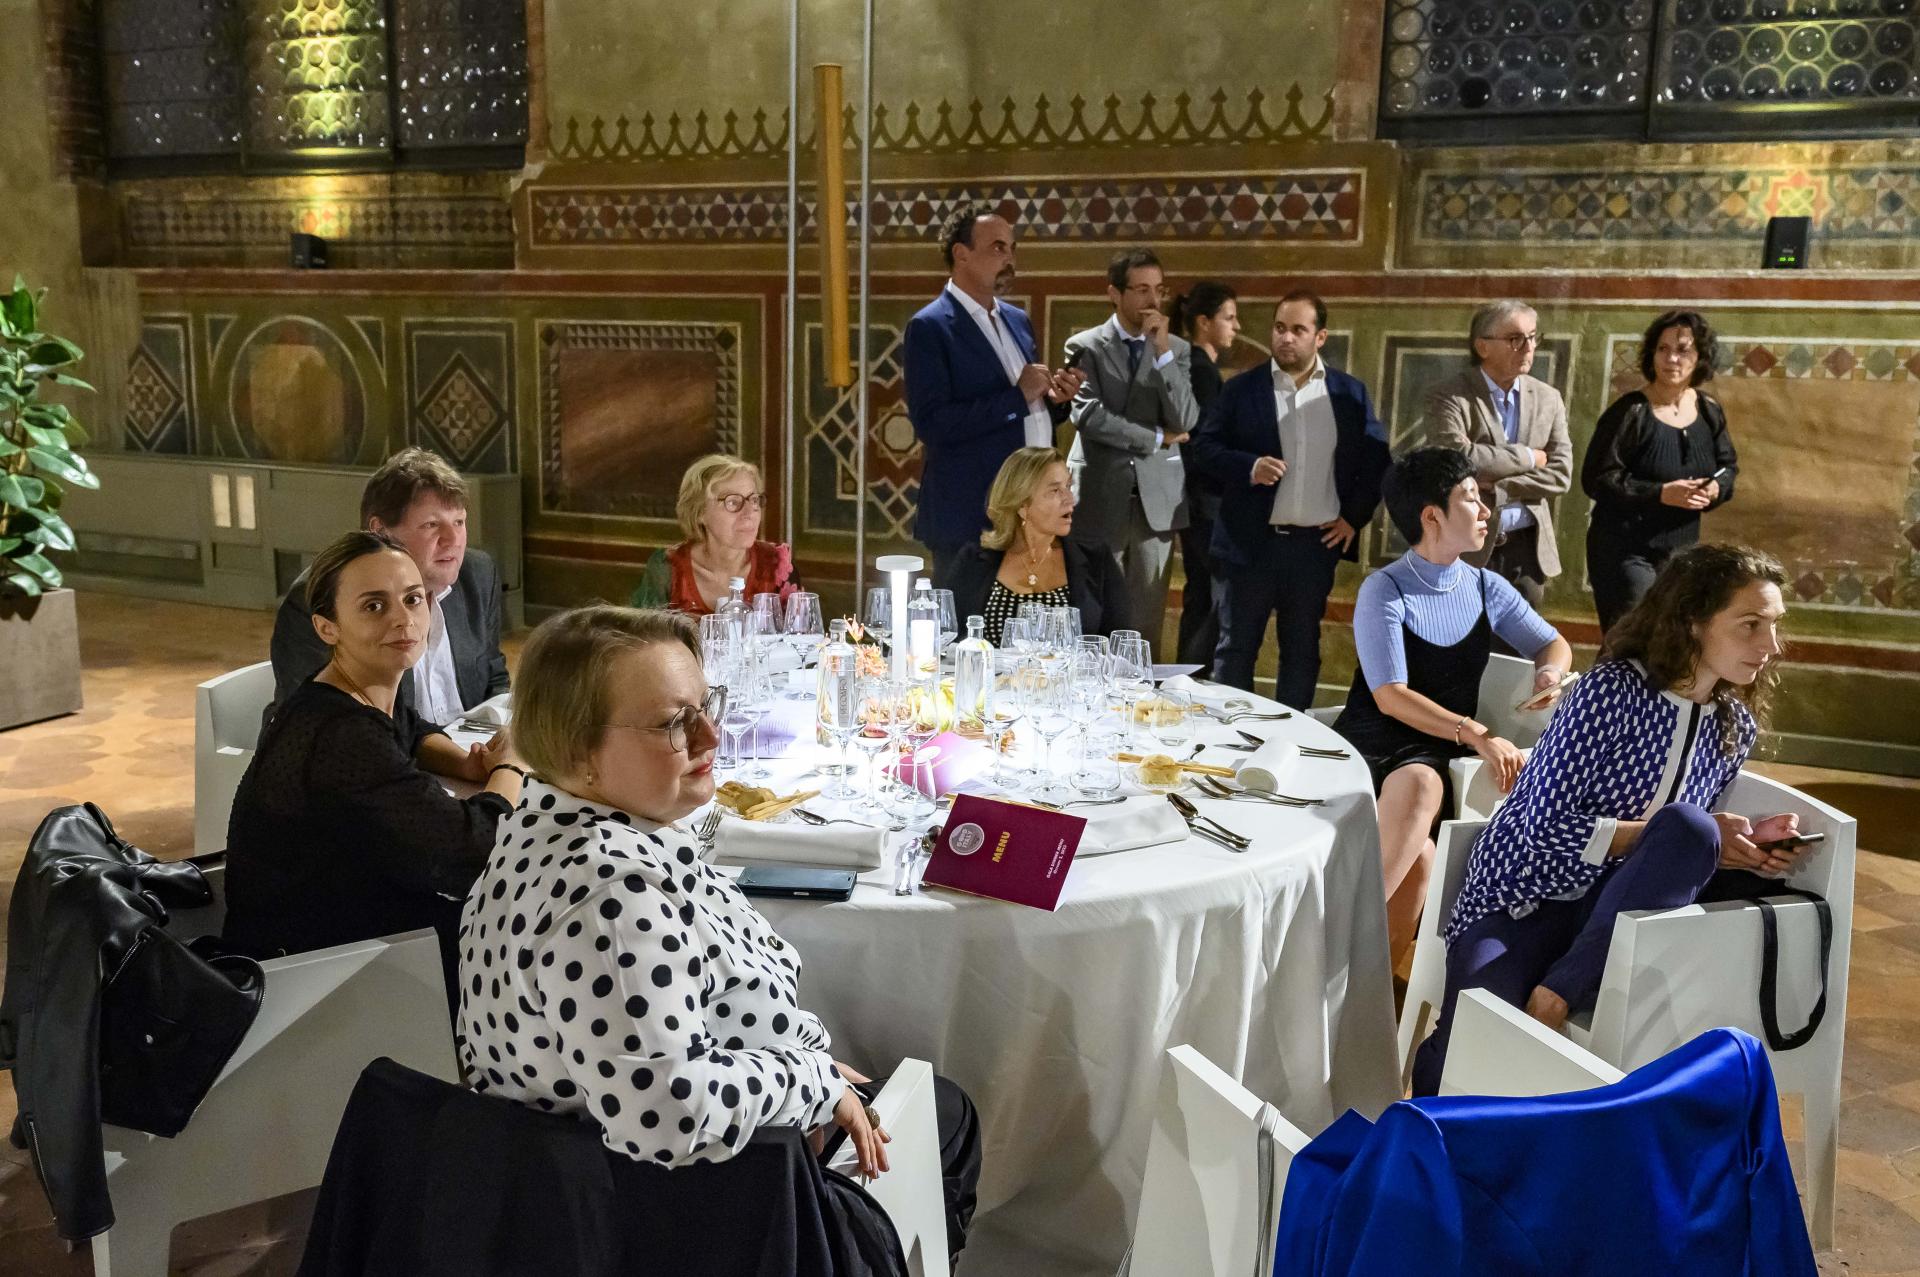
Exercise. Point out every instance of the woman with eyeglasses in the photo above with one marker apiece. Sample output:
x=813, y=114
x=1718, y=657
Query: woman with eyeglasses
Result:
x=337, y=832
x=606, y=969
x=1660, y=458
x=720, y=507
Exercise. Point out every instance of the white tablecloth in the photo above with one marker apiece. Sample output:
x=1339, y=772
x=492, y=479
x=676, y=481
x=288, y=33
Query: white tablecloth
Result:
x=1272, y=962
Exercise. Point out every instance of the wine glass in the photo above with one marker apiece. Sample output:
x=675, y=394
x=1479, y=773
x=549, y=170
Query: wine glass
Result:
x=1132, y=672
x=1004, y=709
x=879, y=701
x=949, y=619
x=750, y=696
x=879, y=612
x=806, y=630
x=770, y=611
x=1047, y=686
x=1088, y=699
x=919, y=723
x=1020, y=635
x=838, y=712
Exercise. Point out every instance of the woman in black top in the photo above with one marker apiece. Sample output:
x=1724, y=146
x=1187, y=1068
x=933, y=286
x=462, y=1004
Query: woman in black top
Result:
x=1027, y=557
x=1208, y=316
x=336, y=835
x=1660, y=457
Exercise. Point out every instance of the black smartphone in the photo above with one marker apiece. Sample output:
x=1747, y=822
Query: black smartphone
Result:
x=796, y=882
x=1717, y=475
x=1788, y=844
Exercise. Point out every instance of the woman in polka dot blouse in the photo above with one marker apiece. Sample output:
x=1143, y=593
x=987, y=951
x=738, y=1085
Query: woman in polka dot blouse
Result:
x=1615, y=809
x=606, y=969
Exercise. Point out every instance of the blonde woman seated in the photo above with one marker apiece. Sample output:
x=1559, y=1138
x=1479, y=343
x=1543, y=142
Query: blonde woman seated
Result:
x=607, y=970
x=720, y=507
x=1027, y=555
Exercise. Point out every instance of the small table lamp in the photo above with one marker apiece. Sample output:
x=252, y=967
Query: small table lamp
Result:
x=899, y=569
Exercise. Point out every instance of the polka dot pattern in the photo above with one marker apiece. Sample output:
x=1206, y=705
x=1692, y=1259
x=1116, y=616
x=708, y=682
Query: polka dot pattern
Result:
x=606, y=970
x=1603, y=756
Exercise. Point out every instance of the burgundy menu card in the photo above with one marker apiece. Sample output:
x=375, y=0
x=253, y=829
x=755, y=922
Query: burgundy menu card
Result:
x=1005, y=851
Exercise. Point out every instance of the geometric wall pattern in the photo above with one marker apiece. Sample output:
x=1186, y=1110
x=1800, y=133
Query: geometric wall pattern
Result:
x=460, y=392
x=832, y=445
x=159, y=387
x=1309, y=205
x=1866, y=203
x=295, y=394
x=624, y=407
x=168, y=220
x=1829, y=441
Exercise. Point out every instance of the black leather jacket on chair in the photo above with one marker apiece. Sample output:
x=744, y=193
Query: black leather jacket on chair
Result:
x=106, y=1017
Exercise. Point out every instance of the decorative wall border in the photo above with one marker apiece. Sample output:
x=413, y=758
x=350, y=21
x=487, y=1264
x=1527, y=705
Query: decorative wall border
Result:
x=1306, y=205
x=934, y=131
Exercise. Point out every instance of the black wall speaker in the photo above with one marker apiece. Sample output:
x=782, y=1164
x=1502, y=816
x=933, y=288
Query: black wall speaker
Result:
x=309, y=252
x=1787, y=243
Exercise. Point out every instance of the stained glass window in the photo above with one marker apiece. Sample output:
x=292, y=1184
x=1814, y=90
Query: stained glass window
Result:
x=172, y=83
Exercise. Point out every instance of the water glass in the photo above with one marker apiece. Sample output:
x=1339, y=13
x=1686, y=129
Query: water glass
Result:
x=1173, y=722
x=879, y=613
x=949, y=626
x=1020, y=635
x=1098, y=775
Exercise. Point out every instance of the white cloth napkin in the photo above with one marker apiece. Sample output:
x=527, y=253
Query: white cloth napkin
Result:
x=1138, y=822
x=1267, y=767
x=746, y=842
x=1212, y=695
x=494, y=712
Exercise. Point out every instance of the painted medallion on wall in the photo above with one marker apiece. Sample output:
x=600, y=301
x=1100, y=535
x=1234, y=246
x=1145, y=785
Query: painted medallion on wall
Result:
x=296, y=396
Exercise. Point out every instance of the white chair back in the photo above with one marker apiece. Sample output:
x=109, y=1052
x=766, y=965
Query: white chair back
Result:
x=1506, y=682
x=226, y=724
x=1326, y=713
x=911, y=1191
x=1672, y=975
x=1427, y=983
x=266, y=1126
x=1217, y=1162
x=1498, y=1049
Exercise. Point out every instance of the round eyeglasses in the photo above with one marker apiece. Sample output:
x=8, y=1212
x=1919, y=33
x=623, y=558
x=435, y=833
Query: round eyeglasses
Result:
x=679, y=728
x=734, y=502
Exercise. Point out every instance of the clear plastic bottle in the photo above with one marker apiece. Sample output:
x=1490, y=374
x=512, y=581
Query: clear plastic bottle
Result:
x=923, y=630
x=972, y=679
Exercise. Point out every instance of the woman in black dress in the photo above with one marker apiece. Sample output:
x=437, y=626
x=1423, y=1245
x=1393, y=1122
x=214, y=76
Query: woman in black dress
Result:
x=1660, y=457
x=336, y=834
x=1208, y=316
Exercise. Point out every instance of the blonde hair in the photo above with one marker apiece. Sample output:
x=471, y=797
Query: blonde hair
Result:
x=697, y=485
x=563, y=688
x=1012, y=489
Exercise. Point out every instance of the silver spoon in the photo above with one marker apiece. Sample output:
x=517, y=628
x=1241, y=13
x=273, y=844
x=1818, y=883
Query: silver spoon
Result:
x=1207, y=827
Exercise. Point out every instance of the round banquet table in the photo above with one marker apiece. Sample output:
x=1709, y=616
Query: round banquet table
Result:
x=1272, y=962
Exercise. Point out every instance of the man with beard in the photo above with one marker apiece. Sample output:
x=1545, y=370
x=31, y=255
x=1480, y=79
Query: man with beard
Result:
x=1301, y=455
x=1513, y=428
x=976, y=391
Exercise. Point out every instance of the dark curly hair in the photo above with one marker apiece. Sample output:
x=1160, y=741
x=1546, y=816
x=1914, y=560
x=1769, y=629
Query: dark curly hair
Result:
x=1705, y=344
x=958, y=228
x=1693, y=587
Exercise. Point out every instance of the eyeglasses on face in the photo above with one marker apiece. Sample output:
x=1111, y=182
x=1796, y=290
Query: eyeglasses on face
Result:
x=1520, y=341
x=734, y=502
x=680, y=727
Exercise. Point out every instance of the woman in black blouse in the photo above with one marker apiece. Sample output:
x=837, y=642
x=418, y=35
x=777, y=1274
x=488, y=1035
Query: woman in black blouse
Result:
x=1208, y=316
x=1026, y=555
x=336, y=834
x=1660, y=457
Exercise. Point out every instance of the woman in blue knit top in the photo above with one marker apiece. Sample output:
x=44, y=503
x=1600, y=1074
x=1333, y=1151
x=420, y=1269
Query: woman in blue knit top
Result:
x=1615, y=809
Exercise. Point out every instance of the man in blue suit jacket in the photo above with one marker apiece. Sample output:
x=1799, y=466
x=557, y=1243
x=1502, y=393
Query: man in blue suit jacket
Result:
x=976, y=391
x=1301, y=456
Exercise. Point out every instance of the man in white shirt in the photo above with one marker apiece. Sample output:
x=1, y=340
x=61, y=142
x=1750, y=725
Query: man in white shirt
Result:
x=976, y=389
x=1300, y=454
x=420, y=501
x=1133, y=412
x=1513, y=427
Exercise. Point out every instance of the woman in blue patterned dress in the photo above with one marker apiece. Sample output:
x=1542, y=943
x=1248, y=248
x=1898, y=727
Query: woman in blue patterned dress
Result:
x=1615, y=809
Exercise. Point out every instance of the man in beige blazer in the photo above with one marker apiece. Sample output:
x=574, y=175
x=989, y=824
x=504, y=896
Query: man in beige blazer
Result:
x=1514, y=428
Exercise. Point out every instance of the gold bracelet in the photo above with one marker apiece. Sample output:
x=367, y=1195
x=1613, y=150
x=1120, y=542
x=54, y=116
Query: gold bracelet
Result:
x=1456, y=728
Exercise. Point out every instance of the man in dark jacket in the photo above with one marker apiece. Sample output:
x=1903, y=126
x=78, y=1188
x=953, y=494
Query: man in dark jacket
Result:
x=1300, y=453
x=421, y=501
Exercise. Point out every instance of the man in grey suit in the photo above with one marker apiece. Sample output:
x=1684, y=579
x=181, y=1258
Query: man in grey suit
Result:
x=420, y=501
x=1514, y=429
x=1131, y=415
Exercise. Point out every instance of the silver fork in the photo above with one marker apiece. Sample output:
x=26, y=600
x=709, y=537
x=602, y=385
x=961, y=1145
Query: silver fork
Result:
x=709, y=826
x=1214, y=788
x=1311, y=751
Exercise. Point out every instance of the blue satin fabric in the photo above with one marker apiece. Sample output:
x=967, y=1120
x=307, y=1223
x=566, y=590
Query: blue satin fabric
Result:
x=1678, y=1168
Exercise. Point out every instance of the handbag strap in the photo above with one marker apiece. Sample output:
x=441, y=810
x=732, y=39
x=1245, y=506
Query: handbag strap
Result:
x=1770, y=970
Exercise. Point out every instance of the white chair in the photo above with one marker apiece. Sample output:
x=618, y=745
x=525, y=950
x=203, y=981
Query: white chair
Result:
x=266, y=1126
x=226, y=724
x=1498, y=1049
x=1217, y=1161
x=1325, y=713
x=1506, y=682
x=1475, y=796
x=1672, y=975
x=911, y=1191
x=1427, y=981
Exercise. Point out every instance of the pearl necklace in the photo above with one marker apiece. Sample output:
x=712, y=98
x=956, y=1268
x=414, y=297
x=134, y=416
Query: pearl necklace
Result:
x=1457, y=578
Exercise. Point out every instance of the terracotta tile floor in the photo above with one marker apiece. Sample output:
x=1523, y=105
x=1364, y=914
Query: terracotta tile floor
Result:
x=131, y=749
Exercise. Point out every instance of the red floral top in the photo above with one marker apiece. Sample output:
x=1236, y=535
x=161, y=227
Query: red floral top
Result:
x=669, y=582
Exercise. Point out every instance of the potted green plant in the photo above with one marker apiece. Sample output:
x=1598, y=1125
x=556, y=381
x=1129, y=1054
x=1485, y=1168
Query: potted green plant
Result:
x=39, y=626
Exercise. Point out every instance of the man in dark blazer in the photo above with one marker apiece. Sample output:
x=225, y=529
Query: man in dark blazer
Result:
x=1300, y=454
x=976, y=389
x=420, y=501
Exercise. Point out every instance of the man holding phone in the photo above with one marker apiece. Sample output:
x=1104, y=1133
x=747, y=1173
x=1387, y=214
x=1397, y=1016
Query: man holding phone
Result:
x=1131, y=415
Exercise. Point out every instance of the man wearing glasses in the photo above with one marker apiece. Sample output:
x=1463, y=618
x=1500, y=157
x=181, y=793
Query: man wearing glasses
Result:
x=1513, y=427
x=1130, y=417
